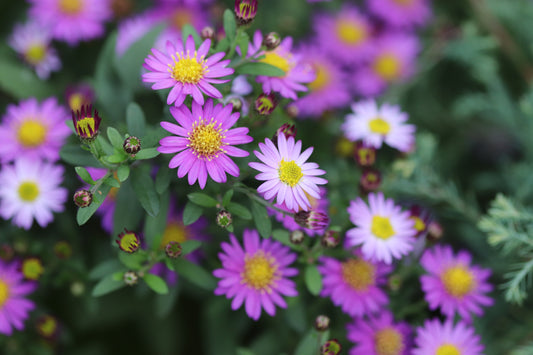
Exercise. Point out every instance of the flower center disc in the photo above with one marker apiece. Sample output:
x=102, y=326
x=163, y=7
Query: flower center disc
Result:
x=35, y=53
x=388, y=341
x=205, y=140
x=458, y=281
x=276, y=60
x=322, y=78
x=388, y=67
x=70, y=7
x=180, y=18
x=129, y=242
x=75, y=101
x=381, y=227
x=350, y=32
x=86, y=126
x=258, y=271
x=359, y=274
x=404, y=2
x=174, y=232
x=379, y=126
x=289, y=172
x=187, y=70
x=448, y=349
x=31, y=133
x=4, y=293
x=32, y=269
x=420, y=226
x=28, y=191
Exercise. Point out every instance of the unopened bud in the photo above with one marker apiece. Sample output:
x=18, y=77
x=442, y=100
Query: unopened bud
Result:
x=265, y=103
x=288, y=130
x=236, y=104
x=245, y=11
x=47, y=326
x=173, y=249
x=322, y=323
x=435, y=231
x=331, y=347
x=130, y=278
x=128, y=241
x=312, y=219
x=363, y=155
x=297, y=237
x=83, y=198
x=63, y=250
x=77, y=288
x=132, y=145
x=32, y=268
x=224, y=219
x=330, y=239
x=370, y=180
x=272, y=40
x=292, y=111
x=207, y=33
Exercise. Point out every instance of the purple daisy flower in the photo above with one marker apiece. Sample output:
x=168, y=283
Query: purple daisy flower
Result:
x=401, y=13
x=354, y=284
x=187, y=71
x=437, y=338
x=453, y=284
x=33, y=130
x=14, y=307
x=296, y=71
x=205, y=142
x=383, y=229
x=379, y=335
x=72, y=21
x=286, y=173
x=256, y=275
x=30, y=190
x=392, y=60
x=32, y=42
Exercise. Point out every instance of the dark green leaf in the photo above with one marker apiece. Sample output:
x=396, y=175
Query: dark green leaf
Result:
x=230, y=26
x=195, y=274
x=189, y=246
x=135, y=120
x=162, y=179
x=156, y=283
x=116, y=139
x=111, y=181
x=282, y=235
x=123, y=172
x=144, y=188
x=85, y=213
x=128, y=211
x=239, y=210
x=105, y=268
x=261, y=219
x=75, y=155
x=106, y=285
x=132, y=261
x=147, y=153
x=313, y=280
x=191, y=213
x=222, y=45
x=242, y=42
x=116, y=158
x=154, y=227
x=309, y=344
x=258, y=68
x=164, y=303
x=84, y=175
x=227, y=198
x=202, y=199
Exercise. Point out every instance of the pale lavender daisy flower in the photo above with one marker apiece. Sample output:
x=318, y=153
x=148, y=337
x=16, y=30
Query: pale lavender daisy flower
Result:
x=32, y=129
x=438, y=338
x=32, y=42
x=29, y=189
x=14, y=305
x=187, y=71
x=453, y=285
x=72, y=21
x=401, y=13
x=382, y=228
x=286, y=173
x=256, y=275
x=376, y=125
x=204, y=142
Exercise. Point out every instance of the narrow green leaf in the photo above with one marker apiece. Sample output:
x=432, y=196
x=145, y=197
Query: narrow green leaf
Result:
x=128, y=212
x=116, y=139
x=123, y=172
x=239, y=210
x=154, y=227
x=261, y=219
x=116, y=158
x=75, y=155
x=20, y=81
x=162, y=179
x=191, y=213
x=111, y=181
x=165, y=303
x=195, y=274
x=227, y=198
x=189, y=246
x=147, y=153
x=104, y=268
x=242, y=41
x=282, y=236
x=144, y=188
x=222, y=45
x=258, y=68
x=187, y=30
x=84, y=175
x=230, y=26
x=309, y=344
x=132, y=261
x=85, y=213
x=106, y=285
x=135, y=120
x=313, y=280
x=202, y=199
x=157, y=284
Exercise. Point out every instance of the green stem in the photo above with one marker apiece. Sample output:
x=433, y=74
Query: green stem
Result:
x=233, y=46
x=261, y=200
x=101, y=180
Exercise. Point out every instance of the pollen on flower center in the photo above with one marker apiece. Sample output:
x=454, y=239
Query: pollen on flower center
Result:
x=276, y=60
x=404, y=2
x=174, y=232
x=70, y=7
x=458, y=281
x=381, y=227
x=388, y=341
x=359, y=274
x=206, y=140
x=35, y=53
x=31, y=133
x=86, y=125
x=388, y=67
x=448, y=349
x=259, y=271
x=379, y=126
x=322, y=78
x=129, y=242
x=28, y=191
x=186, y=70
x=420, y=226
x=4, y=293
x=350, y=32
x=289, y=172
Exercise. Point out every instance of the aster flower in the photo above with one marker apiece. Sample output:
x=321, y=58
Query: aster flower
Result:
x=30, y=190
x=256, y=275
x=245, y=11
x=77, y=96
x=34, y=130
x=379, y=335
x=14, y=307
x=286, y=173
x=187, y=71
x=401, y=13
x=377, y=125
x=72, y=21
x=453, y=285
x=354, y=284
x=32, y=42
x=384, y=230
x=86, y=123
x=438, y=338
x=205, y=141
x=296, y=71
x=391, y=60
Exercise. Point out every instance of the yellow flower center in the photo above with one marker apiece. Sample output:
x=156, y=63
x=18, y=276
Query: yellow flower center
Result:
x=4, y=293
x=458, y=281
x=28, y=191
x=276, y=60
x=70, y=7
x=174, y=232
x=180, y=18
x=35, y=53
x=75, y=101
x=206, y=140
x=448, y=349
x=388, y=67
x=322, y=77
x=289, y=172
x=187, y=70
x=48, y=326
x=129, y=242
x=404, y=2
x=86, y=127
x=381, y=227
x=379, y=126
x=32, y=269
x=420, y=226
x=31, y=133
x=350, y=32
x=359, y=274
x=366, y=155
x=259, y=271
x=388, y=341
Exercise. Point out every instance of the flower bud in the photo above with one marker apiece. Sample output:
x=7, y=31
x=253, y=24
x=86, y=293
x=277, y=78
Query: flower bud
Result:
x=370, y=180
x=272, y=40
x=83, y=198
x=266, y=103
x=173, y=249
x=312, y=219
x=288, y=130
x=236, y=104
x=130, y=278
x=322, y=323
x=394, y=282
x=63, y=250
x=207, y=33
x=435, y=231
x=132, y=145
x=224, y=219
x=297, y=237
x=78, y=96
x=363, y=155
x=47, y=326
x=77, y=288
x=331, y=347
x=32, y=268
x=292, y=110
x=85, y=123
x=245, y=11
x=128, y=241
x=330, y=239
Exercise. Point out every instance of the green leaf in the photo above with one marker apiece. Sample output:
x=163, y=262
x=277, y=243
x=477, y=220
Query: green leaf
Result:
x=282, y=236
x=116, y=139
x=111, y=181
x=116, y=158
x=313, y=279
x=242, y=41
x=135, y=120
x=132, y=261
x=195, y=274
x=261, y=219
x=258, y=68
x=309, y=344
x=144, y=188
x=227, y=198
x=128, y=211
x=239, y=210
x=75, y=155
x=202, y=199
x=186, y=31
x=84, y=175
x=157, y=284
x=162, y=179
x=106, y=285
x=189, y=246
x=165, y=303
x=104, y=268
x=147, y=153
x=222, y=45
x=85, y=213
x=123, y=172
x=191, y=213
x=154, y=227
x=230, y=26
